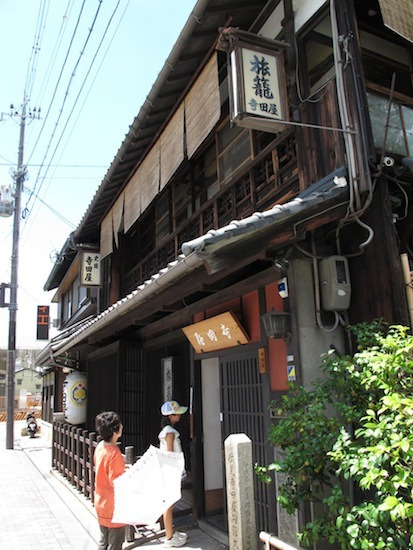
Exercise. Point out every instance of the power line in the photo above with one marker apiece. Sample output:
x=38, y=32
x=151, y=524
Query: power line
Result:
x=77, y=97
x=56, y=49
x=40, y=27
x=57, y=85
x=64, y=102
x=82, y=86
x=9, y=163
x=53, y=210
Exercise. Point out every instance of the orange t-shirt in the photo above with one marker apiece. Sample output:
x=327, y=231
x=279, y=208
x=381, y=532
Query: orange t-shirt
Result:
x=109, y=465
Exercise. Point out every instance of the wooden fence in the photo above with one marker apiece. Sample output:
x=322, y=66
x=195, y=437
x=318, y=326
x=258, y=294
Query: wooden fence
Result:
x=72, y=456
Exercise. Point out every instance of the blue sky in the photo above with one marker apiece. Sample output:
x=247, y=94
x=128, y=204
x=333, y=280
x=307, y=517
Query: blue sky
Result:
x=116, y=53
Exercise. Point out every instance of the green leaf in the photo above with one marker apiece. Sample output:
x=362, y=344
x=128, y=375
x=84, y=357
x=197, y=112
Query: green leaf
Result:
x=353, y=530
x=389, y=503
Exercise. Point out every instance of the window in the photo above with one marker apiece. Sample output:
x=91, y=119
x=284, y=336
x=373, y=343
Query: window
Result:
x=319, y=54
x=381, y=58
x=234, y=148
x=19, y=381
x=399, y=138
x=82, y=294
x=182, y=200
x=66, y=311
x=162, y=217
x=205, y=176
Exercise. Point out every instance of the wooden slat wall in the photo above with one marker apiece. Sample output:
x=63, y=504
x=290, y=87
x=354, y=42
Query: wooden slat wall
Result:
x=202, y=106
x=320, y=151
x=172, y=146
x=106, y=230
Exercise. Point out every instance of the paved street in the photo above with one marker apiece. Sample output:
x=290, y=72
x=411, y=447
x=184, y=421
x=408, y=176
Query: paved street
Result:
x=39, y=510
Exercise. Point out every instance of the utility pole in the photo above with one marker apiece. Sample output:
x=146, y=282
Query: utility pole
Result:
x=19, y=177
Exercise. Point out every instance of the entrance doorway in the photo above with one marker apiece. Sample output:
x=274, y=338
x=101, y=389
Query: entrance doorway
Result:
x=212, y=442
x=235, y=399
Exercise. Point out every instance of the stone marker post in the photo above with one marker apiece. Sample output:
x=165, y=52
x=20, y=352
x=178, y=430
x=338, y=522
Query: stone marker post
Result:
x=242, y=528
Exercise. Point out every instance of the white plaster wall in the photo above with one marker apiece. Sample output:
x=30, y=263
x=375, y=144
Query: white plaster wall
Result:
x=304, y=10
x=312, y=340
x=272, y=27
x=211, y=409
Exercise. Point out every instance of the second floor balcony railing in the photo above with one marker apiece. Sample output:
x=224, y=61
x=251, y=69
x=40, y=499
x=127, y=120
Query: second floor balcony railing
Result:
x=270, y=177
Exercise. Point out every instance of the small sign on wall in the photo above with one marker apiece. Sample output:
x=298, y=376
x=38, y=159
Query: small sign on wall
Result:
x=90, y=269
x=262, y=360
x=43, y=320
x=291, y=373
x=219, y=332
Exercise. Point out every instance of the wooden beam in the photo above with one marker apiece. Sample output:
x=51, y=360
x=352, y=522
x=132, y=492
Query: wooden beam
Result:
x=185, y=316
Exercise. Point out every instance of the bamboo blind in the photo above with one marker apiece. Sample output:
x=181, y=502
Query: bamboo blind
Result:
x=398, y=16
x=117, y=214
x=132, y=201
x=202, y=106
x=149, y=177
x=142, y=188
x=106, y=231
x=172, y=146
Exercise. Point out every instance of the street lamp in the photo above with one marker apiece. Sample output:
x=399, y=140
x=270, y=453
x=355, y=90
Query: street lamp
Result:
x=277, y=324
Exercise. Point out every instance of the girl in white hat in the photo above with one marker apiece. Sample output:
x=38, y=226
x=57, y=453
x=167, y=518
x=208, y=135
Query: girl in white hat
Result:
x=169, y=439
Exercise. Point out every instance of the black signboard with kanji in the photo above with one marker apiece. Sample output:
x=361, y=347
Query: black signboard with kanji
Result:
x=42, y=323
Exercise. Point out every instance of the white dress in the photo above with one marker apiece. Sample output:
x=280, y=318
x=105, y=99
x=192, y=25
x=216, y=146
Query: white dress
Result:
x=168, y=429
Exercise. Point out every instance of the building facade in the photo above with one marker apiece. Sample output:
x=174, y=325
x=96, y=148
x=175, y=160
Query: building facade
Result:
x=245, y=220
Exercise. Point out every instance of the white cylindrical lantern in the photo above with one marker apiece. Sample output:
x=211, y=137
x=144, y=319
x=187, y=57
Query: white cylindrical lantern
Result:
x=75, y=397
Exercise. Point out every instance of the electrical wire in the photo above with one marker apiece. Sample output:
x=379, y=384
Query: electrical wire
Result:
x=322, y=88
x=54, y=211
x=405, y=195
x=55, y=52
x=77, y=98
x=355, y=207
x=56, y=88
x=84, y=83
x=94, y=79
x=38, y=38
x=33, y=193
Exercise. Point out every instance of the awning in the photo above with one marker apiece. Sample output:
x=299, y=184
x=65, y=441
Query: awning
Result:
x=274, y=227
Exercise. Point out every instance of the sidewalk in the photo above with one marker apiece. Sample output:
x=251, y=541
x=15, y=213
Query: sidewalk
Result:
x=39, y=509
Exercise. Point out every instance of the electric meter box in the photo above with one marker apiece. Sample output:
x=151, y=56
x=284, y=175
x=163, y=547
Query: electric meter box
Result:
x=335, y=283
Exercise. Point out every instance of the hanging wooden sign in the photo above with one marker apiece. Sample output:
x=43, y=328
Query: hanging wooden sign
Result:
x=90, y=269
x=219, y=332
x=257, y=88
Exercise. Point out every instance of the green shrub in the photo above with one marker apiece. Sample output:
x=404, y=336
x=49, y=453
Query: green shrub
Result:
x=354, y=426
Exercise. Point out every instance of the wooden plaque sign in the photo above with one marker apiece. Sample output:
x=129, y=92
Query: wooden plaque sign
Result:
x=219, y=332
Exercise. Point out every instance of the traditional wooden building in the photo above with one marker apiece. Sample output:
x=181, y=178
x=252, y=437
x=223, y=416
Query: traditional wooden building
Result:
x=260, y=201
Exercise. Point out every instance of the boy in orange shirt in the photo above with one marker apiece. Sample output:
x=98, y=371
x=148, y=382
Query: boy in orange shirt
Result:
x=109, y=465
